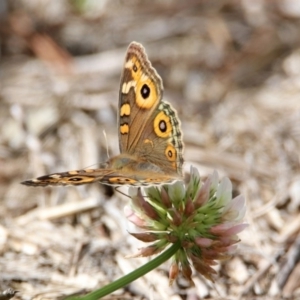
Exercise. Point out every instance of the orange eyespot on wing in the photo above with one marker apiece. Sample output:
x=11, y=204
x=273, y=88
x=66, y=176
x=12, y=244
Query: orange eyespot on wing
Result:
x=144, y=78
x=162, y=125
x=146, y=95
x=144, y=87
x=121, y=181
x=170, y=153
x=50, y=180
x=69, y=178
x=158, y=180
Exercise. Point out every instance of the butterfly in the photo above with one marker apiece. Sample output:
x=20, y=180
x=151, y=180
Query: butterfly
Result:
x=150, y=137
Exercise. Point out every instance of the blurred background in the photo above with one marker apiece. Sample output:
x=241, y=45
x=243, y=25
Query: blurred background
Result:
x=230, y=68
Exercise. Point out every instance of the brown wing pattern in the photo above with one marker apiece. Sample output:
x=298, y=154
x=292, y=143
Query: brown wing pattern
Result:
x=149, y=134
x=148, y=127
x=109, y=177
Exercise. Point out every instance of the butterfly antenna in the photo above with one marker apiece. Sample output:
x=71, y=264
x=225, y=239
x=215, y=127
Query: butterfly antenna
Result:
x=117, y=190
x=105, y=137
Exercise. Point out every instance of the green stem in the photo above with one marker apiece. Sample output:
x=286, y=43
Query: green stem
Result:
x=151, y=265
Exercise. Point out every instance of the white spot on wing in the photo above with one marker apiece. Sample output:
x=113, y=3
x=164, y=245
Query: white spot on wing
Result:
x=144, y=77
x=55, y=176
x=127, y=85
x=129, y=64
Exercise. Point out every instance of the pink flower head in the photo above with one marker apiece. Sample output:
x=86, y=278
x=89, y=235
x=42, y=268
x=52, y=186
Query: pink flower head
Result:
x=202, y=217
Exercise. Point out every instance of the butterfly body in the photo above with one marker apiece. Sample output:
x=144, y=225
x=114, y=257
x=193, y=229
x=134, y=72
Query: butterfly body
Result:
x=150, y=137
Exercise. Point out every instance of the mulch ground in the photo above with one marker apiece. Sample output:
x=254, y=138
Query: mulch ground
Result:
x=232, y=71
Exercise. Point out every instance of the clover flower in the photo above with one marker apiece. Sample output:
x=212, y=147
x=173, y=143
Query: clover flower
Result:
x=202, y=217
